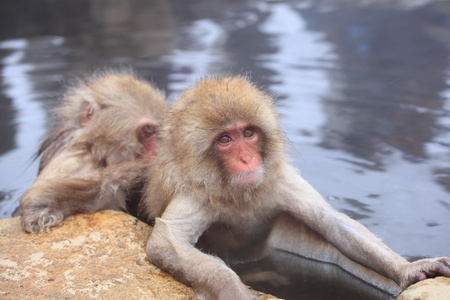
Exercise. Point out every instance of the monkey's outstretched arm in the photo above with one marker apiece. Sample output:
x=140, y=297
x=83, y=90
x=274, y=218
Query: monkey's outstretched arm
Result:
x=50, y=200
x=171, y=247
x=353, y=239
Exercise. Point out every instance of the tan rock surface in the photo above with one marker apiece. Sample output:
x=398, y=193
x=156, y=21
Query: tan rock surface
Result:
x=430, y=289
x=92, y=256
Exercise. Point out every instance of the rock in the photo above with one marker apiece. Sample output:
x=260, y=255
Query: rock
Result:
x=95, y=256
x=430, y=289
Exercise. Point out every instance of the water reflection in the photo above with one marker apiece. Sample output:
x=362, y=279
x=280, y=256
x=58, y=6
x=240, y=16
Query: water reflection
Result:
x=385, y=108
x=363, y=89
x=386, y=93
x=312, y=279
x=28, y=117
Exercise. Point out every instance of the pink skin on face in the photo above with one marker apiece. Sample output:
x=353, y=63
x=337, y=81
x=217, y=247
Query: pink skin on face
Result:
x=147, y=137
x=238, y=147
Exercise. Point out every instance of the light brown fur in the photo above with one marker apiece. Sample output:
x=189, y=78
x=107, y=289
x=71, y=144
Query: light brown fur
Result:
x=93, y=157
x=191, y=194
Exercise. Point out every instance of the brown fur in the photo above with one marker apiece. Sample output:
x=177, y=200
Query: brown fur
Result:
x=190, y=194
x=92, y=157
x=195, y=117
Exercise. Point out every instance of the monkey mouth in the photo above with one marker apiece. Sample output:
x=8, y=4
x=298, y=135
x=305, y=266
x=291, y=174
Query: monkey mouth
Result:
x=248, y=179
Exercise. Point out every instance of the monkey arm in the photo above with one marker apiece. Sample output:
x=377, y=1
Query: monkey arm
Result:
x=290, y=235
x=353, y=239
x=357, y=243
x=171, y=247
x=50, y=200
x=350, y=237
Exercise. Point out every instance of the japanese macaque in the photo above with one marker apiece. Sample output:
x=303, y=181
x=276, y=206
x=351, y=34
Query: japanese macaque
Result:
x=222, y=171
x=95, y=154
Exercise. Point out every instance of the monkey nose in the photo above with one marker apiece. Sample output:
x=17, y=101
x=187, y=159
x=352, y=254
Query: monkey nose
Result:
x=246, y=159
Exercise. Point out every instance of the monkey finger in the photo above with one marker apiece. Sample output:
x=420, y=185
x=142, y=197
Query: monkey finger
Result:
x=443, y=267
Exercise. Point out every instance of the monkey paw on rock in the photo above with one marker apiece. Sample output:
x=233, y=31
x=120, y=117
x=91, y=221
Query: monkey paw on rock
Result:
x=41, y=221
x=423, y=269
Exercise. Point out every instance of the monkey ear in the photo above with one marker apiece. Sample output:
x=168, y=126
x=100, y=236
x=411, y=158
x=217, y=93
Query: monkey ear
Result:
x=86, y=112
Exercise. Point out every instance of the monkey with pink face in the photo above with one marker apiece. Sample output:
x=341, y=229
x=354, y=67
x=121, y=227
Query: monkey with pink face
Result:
x=94, y=157
x=222, y=172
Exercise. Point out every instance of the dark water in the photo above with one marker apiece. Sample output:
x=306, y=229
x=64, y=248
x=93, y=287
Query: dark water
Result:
x=364, y=90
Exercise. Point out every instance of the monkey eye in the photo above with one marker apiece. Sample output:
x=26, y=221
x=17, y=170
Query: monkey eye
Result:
x=223, y=139
x=248, y=132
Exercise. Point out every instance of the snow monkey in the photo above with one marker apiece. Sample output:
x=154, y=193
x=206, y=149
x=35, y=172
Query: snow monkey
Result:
x=95, y=154
x=222, y=168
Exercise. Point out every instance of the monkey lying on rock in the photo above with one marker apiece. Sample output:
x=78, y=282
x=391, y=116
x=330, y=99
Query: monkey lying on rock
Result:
x=222, y=172
x=97, y=151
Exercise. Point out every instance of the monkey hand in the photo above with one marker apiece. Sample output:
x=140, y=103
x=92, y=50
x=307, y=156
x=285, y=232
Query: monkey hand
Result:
x=423, y=269
x=40, y=219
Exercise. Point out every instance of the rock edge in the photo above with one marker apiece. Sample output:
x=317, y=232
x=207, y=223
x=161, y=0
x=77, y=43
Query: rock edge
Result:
x=91, y=256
